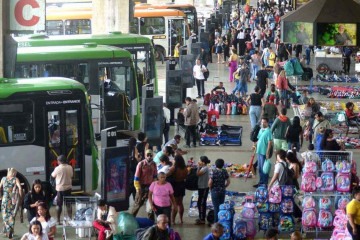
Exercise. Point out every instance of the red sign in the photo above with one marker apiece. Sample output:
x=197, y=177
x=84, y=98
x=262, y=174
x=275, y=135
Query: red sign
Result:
x=27, y=15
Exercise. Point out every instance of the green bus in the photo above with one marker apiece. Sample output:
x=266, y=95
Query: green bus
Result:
x=41, y=118
x=107, y=72
x=140, y=47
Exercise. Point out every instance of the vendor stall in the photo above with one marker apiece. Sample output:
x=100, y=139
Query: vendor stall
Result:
x=325, y=62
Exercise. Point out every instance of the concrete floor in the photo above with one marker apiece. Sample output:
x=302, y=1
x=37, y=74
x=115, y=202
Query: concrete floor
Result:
x=231, y=154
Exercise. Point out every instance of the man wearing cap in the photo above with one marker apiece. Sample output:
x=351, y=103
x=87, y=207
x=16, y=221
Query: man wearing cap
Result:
x=145, y=174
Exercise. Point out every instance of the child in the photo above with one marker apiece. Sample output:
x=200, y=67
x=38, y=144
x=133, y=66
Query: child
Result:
x=305, y=98
x=33, y=198
x=35, y=232
x=217, y=230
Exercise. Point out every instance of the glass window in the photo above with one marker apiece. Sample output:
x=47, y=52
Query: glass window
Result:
x=134, y=26
x=79, y=26
x=119, y=78
x=76, y=71
x=54, y=27
x=176, y=31
x=16, y=122
x=72, y=142
x=152, y=26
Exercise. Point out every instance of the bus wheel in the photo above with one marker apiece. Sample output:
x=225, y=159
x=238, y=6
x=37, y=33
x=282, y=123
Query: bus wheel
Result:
x=159, y=53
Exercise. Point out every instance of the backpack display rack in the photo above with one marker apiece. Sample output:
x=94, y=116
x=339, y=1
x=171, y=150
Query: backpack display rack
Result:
x=330, y=191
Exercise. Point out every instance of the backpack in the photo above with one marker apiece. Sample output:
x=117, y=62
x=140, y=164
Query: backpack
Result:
x=248, y=210
x=207, y=73
x=343, y=166
x=342, y=182
x=308, y=218
x=275, y=194
x=226, y=212
x=191, y=181
x=207, y=98
x=254, y=133
x=310, y=167
x=261, y=194
x=287, y=177
x=327, y=165
x=274, y=207
x=326, y=182
x=289, y=68
x=342, y=202
x=287, y=191
x=227, y=230
x=262, y=207
x=287, y=205
x=243, y=228
x=308, y=182
x=286, y=223
x=325, y=219
x=308, y=202
x=266, y=221
x=325, y=203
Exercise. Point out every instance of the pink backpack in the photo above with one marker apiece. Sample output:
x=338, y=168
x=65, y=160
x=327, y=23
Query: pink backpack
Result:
x=310, y=167
x=342, y=182
x=325, y=219
x=308, y=182
x=308, y=218
x=308, y=202
x=343, y=166
x=325, y=203
x=248, y=210
x=275, y=194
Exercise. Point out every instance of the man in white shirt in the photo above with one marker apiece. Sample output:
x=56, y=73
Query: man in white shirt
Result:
x=167, y=122
x=198, y=72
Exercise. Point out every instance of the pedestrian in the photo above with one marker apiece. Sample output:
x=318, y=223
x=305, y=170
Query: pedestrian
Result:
x=145, y=174
x=256, y=64
x=63, y=175
x=255, y=102
x=142, y=146
x=233, y=59
x=218, y=182
x=191, y=119
x=320, y=122
x=270, y=110
x=263, y=150
x=165, y=164
x=219, y=49
x=241, y=81
x=279, y=128
x=167, y=117
x=329, y=143
x=203, y=57
x=179, y=172
x=226, y=47
x=33, y=199
x=353, y=213
x=217, y=230
x=35, y=232
x=159, y=230
x=279, y=169
x=203, y=188
x=274, y=93
x=262, y=80
x=12, y=190
x=48, y=223
x=105, y=221
x=294, y=134
x=198, y=73
x=283, y=87
x=161, y=196
x=133, y=154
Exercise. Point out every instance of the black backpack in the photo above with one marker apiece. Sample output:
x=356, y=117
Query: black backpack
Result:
x=254, y=133
x=287, y=178
x=207, y=73
x=191, y=182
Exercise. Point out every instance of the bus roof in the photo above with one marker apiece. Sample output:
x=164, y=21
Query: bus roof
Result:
x=9, y=87
x=114, y=38
x=150, y=12
x=68, y=15
x=58, y=53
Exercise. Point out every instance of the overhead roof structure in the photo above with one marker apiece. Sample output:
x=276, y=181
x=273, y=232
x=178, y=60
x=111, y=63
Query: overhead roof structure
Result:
x=326, y=11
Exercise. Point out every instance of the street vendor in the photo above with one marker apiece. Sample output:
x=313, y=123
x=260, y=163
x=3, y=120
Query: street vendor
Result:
x=349, y=111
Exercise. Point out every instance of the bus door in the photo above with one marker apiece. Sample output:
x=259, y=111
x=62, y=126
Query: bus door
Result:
x=176, y=34
x=64, y=137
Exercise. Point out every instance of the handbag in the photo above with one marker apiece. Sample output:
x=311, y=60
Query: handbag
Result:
x=266, y=166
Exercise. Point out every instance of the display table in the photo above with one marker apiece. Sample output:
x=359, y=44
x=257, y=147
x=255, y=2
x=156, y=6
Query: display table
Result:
x=328, y=62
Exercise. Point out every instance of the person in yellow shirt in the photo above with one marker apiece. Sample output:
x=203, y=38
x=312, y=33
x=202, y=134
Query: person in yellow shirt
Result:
x=272, y=57
x=3, y=139
x=353, y=213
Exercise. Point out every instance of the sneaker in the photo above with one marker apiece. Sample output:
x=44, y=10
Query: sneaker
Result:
x=186, y=146
x=198, y=96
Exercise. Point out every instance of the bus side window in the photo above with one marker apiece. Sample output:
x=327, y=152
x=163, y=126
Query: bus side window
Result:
x=134, y=26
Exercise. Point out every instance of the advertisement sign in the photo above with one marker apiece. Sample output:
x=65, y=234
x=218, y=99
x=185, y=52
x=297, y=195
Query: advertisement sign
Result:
x=336, y=34
x=298, y=32
x=27, y=15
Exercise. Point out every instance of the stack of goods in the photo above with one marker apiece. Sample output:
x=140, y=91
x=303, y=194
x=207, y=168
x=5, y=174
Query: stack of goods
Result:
x=344, y=92
x=350, y=142
x=280, y=200
x=340, y=220
x=224, y=135
x=335, y=78
x=226, y=216
x=226, y=104
x=244, y=221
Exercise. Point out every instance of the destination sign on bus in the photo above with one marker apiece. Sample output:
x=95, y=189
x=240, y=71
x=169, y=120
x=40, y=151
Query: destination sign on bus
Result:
x=159, y=37
x=63, y=102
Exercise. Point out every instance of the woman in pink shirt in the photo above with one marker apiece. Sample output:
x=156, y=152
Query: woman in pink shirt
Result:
x=161, y=196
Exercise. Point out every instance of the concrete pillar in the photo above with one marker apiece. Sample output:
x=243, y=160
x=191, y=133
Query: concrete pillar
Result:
x=110, y=15
x=2, y=29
